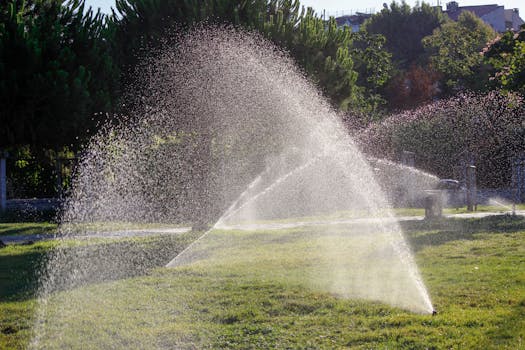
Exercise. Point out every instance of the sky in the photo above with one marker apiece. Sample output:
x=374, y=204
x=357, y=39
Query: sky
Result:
x=346, y=7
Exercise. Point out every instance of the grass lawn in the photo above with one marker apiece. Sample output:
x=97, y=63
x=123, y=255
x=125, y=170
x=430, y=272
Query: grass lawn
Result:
x=460, y=210
x=43, y=228
x=27, y=228
x=399, y=212
x=474, y=270
x=31, y=228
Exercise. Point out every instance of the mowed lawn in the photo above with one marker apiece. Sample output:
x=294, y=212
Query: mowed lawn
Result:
x=474, y=270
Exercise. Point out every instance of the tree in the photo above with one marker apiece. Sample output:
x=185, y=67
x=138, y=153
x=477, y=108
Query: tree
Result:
x=454, y=51
x=404, y=27
x=55, y=72
x=412, y=88
x=507, y=57
x=373, y=65
x=321, y=49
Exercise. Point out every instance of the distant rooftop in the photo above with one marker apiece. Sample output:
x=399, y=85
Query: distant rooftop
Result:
x=454, y=10
x=497, y=16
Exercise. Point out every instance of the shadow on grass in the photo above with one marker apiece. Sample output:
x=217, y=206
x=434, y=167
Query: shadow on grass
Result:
x=437, y=232
x=28, y=215
x=19, y=274
x=73, y=266
x=93, y=263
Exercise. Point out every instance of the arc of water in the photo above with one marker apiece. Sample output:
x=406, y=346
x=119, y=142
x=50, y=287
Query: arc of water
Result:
x=177, y=258
x=403, y=251
x=175, y=261
x=398, y=242
x=266, y=190
x=400, y=246
x=232, y=209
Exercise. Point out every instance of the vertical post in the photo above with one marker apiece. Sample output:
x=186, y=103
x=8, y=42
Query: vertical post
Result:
x=515, y=186
x=408, y=158
x=433, y=204
x=471, y=188
x=518, y=179
x=520, y=169
x=3, y=181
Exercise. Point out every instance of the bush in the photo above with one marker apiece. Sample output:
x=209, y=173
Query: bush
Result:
x=488, y=130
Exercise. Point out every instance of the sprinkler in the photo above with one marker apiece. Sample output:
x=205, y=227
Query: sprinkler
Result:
x=434, y=312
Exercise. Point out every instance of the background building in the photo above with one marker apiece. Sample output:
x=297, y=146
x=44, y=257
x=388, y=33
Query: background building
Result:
x=496, y=16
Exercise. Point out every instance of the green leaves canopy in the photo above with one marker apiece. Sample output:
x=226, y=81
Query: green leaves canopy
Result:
x=507, y=57
x=455, y=51
x=320, y=48
x=55, y=72
x=404, y=27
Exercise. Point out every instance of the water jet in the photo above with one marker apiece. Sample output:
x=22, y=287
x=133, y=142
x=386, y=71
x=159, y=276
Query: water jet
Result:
x=227, y=132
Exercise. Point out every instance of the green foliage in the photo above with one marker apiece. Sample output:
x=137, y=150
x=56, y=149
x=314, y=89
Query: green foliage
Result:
x=489, y=128
x=321, y=49
x=454, y=51
x=33, y=172
x=373, y=65
x=507, y=57
x=28, y=177
x=404, y=27
x=55, y=72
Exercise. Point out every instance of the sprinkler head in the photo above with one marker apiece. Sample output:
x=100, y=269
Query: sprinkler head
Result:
x=434, y=312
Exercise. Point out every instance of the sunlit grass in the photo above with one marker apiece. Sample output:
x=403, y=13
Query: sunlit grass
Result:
x=474, y=270
x=42, y=228
x=49, y=228
x=484, y=208
x=108, y=226
x=344, y=215
x=27, y=228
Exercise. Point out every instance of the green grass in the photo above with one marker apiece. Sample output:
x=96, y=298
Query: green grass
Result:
x=31, y=228
x=473, y=268
x=103, y=226
x=18, y=269
x=43, y=228
x=409, y=211
x=27, y=228
x=460, y=210
x=483, y=209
